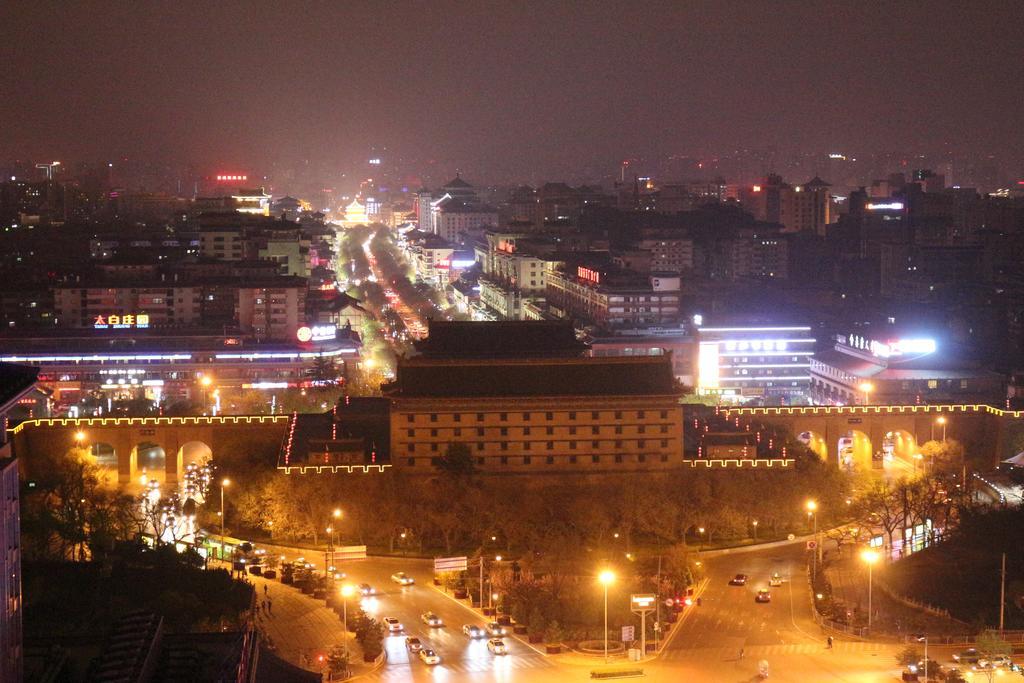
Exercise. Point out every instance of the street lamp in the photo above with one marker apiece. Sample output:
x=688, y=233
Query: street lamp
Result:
x=812, y=512
x=918, y=457
x=206, y=381
x=923, y=638
x=942, y=421
x=700, y=531
x=79, y=437
x=755, y=530
x=347, y=591
x=225, y=482
x=867, y=388
x=869, y=557
x=606, y=578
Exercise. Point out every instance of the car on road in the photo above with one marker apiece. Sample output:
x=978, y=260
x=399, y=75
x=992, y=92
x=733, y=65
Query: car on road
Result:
x=366, y=589
x=995, y=662
x=763, y=595
x=431, y=619
x=473, y=631
x=392, y=624
x=430, y=657
x=497, y=646
x=413, y=644
x=738, y=580
x=494, y=629
x=402, y=579
x=776, y=580
x=968, y=656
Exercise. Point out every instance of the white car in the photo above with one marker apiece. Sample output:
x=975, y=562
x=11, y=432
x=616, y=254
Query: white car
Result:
x=473, y=631
x=994, y=662
x=393, y=625
x=776, y=580
x=366, y=589
x=497, y=646
x=495, y=630
x=402, y=579
x=431, y=619
x=430, y=657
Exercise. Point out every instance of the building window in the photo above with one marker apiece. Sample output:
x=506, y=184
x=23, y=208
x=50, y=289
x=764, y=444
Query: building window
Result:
x=640, y=414
x=504, y=431
x=551, y=460
x=664, y=457
x=618, y=414
x=410, y=433
x=458, y=431
x=640, y=443
x=572, y=459
x=641, y=458
x=641, y=430
x=526, y=460
x=594, y=415
x=479, y=417
x=963, y=384
x=527, y=445
x=457, y=417
x=411, y=462
x=479, y=461
x=433, y=417
x=933, y=384
x=572, y=430
x=479, y=431
x=664, y=413
x=433, y=448
x=504, y=417
x=433, y=432
x=551, y=445
x=526, y=431
x=618, y=444
x=664, y=443
x=549, y=416
x=479, y=445
x=618, y=429
x=595, y=444
x=410, y=447
x=595, y=430
x=664, y=429
x=504, y=460
x=595, y=458
x=526, y=417
x=409, y=418
x=572, y=415
x=618, y=457
x=504, y=445
x=572, y=445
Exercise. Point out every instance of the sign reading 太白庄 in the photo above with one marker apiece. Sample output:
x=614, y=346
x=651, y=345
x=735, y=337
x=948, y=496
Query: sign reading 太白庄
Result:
x=121, y=322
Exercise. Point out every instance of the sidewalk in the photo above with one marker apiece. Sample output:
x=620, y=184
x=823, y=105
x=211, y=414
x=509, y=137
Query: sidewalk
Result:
x=300, y=629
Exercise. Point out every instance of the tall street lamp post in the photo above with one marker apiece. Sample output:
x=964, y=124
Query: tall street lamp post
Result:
x=812, y=512
x=606, y=578
x=870, y=557
x=347, y=590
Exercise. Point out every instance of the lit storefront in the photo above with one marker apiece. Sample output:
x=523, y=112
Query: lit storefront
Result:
x=760, y=364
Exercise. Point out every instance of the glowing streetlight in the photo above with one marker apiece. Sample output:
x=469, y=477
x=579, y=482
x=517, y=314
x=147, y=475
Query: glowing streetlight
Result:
x=867, y=388
x=755, y=529
x=870, y=557
x=606, y=578
x=347, y=591
x=337, y=513
x=79, y=437
x=942, y=421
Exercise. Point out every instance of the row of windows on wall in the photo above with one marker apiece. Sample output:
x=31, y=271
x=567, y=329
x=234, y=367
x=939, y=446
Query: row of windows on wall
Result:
x=550, y=459
x=550, y=431
x=573, y=415
x=528, y=445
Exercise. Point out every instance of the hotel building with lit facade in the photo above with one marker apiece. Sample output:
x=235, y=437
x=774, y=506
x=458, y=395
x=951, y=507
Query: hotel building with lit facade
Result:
x=767, y=364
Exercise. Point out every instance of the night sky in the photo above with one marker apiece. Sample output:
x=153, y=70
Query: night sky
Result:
x=513, y=86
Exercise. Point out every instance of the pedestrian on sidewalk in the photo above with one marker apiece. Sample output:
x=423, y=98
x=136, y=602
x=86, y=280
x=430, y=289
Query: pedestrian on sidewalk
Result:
x=264, y=589
x=829, y=641
x=741, y=653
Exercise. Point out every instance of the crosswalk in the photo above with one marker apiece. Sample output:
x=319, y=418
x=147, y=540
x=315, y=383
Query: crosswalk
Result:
x=765, y=651
x=497, y=665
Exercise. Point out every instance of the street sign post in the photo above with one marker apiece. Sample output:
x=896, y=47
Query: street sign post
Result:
x=450, y=564
x=628, y=634
x=345, y=552
x=643, y=604
x=811, y=545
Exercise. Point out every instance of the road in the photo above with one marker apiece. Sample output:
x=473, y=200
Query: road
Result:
x=704, y=647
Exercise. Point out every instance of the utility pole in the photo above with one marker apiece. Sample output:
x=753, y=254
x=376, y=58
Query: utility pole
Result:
x=657, y=616
x=481, y=580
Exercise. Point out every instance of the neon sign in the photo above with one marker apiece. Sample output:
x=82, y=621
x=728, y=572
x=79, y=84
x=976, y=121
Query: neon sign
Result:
x=588, y=274
x=121, y=322
x=316, y=333
x=885, y=206
x=222, y=178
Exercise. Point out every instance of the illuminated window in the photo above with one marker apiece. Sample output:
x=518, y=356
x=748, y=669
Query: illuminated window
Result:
x=933, y=384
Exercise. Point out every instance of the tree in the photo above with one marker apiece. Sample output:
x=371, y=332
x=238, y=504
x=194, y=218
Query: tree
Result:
x=372, y=640
x=554, y=634
x=991, y=643
x=457, y=460
x=337, y=660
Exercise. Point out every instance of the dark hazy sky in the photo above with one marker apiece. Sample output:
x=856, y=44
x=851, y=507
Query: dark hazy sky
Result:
x=514, y=84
